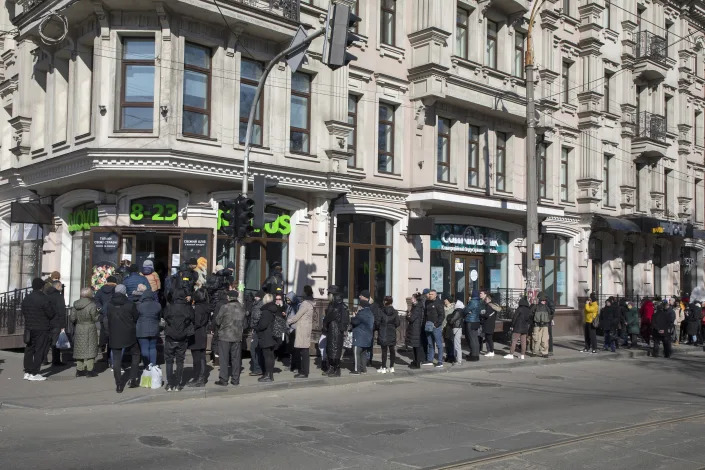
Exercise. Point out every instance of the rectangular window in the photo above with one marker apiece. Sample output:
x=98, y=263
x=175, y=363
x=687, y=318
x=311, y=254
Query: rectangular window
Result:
x=697, y=201
x=300, y=127
x=518, y=54
x=137, y=93
x=461, y=33
x=474, y=157
x=250, y=73
x=491, y=52
x=554, y=275
x=606, y=95
x=385, y=141
x=565, y=154
x=500, y=161
x=669, y=113
x=352, y=137
x=566, y=7
x=698, y=129
x=666, y=195
x=542, y=170
x=606, y=181
x=565, y=82
x=197, y=90
x=388, y=20
x=607, y=16
x=443, y=169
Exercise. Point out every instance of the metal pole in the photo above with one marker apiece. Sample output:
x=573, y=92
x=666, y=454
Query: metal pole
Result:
x=532, y=223
x=248, y=136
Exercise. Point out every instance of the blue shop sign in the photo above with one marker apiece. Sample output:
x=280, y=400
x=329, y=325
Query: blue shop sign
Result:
x=469, y=239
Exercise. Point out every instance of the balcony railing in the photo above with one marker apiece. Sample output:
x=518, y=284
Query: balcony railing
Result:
x=287, y=8
x=652, y=47
x=651, y=126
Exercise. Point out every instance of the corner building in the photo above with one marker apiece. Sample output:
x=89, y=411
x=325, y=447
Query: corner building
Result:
x=131, y=132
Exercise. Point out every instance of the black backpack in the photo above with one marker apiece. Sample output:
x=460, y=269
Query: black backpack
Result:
x=279, y=328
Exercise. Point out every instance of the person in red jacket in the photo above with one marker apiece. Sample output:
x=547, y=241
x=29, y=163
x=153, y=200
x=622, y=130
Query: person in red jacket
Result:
x=646, y=312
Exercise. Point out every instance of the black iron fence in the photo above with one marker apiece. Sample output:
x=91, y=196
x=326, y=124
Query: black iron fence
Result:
x=11, y=319
x=652, y=47
x=651, y=126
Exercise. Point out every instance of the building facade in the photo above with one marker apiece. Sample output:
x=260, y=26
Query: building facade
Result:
x=131, y=130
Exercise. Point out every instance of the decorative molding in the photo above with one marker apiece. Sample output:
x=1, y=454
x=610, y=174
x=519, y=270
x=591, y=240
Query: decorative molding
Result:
x=163, y=18
x=101, y=16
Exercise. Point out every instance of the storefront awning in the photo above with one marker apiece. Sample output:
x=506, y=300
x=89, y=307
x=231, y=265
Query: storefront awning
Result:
x=31, y=213
x=614, y=223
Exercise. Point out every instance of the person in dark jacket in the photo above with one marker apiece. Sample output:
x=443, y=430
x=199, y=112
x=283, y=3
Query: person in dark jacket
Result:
x=433, y=328
x=53, y=291
x=632, y=326
x=609, y=320
x=387, y=334
x=472, y=325
x=122, y=334
x=265, y=333
x=148, y=325
x=694, y=317
x=37, y=313
x=488, y=317
x=363, y=323
x=256, y=358
x=414, y=329
x=335, y=325
x=662, y=325
x=520, y=327
x=275, y=279
x=179, y=319
x=541, y=315
x=221, y=300
x=102, y=299
x=454, y=328
x=197, y=342
x=132, y=281
x=232, y=324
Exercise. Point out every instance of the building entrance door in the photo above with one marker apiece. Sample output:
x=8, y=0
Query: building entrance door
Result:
x=467, y=276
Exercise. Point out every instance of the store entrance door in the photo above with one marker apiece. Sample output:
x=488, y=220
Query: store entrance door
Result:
x=467, y=276
x=138, y=247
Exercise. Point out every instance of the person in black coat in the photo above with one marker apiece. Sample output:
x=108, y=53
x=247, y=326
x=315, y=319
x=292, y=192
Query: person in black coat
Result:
x=179, y=319
x=386, y=326
x=662, y=324
x=520, y=327
x=37, y=324
x=55, y=297
x=265, y=332
x=694, y=318
x=609, y=320
x=488, y=317
x=415, y=329
x=122, y=334
x=197, y=342
x=335, y=325
x=102, y=299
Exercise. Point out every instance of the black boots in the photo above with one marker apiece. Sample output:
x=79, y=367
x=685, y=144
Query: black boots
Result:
x=266, y=378
x=80, y=373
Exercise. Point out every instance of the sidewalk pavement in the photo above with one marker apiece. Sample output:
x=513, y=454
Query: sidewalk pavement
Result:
x=63, y=390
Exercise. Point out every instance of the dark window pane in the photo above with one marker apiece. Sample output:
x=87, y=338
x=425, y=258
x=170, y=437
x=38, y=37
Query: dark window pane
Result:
x=195, y=123
x=342, y=268
x=362, y=231
x=198, y=56
x=138, y=118
x=139, y=83
x=299, y=142
x=253, y=266
x=301, y=82
x=383, y=232
x=138, y=49
x=342, y=232
x=247, y=96
x=383, y=274
x=299, y=112
x=250, y=70
x=361, y=271
x=256, y=133
x=195, y=89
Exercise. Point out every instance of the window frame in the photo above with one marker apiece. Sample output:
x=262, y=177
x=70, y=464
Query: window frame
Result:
x=474, y=141
x=606, y=200
x=666, y=194
x=607, y=20
x=495, y=39
x=556, y=259
x=244, y=120
x=565, y=159
x=520, y=73
x=209, y=75
x=565, y=81
x=458, y=26
x=391, y=124
x=606, y=92
x=445, y=163
x=307, y=130
x=124, y=63
x=696, y=214
x=383, y=33
x=503, y=154
x=542, y=177
x=697, y=135
x=352, y=115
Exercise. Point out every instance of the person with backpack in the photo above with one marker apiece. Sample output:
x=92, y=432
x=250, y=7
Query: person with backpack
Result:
x=363, y=323
x=387, y=337
x=590, y=313
x=179, y=317
x=542, y=317
x=198, y=342
x=661, y=324
x=520, y=327
x=335, y=325
x=303, y=321
x=231, y=321
x=266, y=338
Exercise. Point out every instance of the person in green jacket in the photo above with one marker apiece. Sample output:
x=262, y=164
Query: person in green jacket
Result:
x=85, y=340
x=632, y=323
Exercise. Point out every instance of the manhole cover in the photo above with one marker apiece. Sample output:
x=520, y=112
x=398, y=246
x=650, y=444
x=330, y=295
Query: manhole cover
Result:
x=154, y=441
x=549, y=377
x=391, y=432
x=484, y=384
x=306, y=428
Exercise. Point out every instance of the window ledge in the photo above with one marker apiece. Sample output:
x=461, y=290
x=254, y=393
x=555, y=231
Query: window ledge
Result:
x=200, y=140
x=476, y=190
x=356, y=170
x=446, y=184
x=391, y=176
x=133, y=135
x=612, y=116
x=302, y=157
x=569, y=108
x=503, y=194
x=391, y=51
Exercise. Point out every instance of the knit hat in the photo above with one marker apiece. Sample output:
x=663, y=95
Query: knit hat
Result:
x=426, y=291
x=133, y=268
x=192, y=262
x=365, y=293
x=148, y=264
x=121, y=289
x=230, y=265
x=259, y=294
x=111, y=279
x=37, y=283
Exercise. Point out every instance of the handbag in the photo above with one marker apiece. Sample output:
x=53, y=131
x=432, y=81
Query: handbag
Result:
x=428, y=327
x=596, y=321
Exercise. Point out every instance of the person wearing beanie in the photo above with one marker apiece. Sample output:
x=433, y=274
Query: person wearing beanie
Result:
x=155, y=284
x=122, y=336
x=231, y=321
x=37, y=314
x=275, y=280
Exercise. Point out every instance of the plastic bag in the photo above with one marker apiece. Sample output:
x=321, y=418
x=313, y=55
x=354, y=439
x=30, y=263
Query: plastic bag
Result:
x=156, y=377
x=146, y=379
x=63, y=341
x=348, y=341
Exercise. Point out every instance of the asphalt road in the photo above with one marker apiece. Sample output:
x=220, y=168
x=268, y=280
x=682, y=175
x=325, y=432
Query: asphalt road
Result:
x=553, y=416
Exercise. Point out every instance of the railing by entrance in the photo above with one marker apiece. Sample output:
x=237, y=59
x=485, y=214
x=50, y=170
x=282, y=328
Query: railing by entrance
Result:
x=11, y=319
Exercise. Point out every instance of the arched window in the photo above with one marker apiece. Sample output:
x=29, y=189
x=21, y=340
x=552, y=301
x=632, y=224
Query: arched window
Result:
x=363, y=256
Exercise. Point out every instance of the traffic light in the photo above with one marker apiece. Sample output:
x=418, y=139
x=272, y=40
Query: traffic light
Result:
x=243, y=216
x=339, y=37
x=261, y=184
x=228, y=218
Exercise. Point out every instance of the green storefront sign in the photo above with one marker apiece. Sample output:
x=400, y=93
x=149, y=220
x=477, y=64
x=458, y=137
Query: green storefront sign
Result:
x=83, y=219
x=281, y=226
x=469, y=239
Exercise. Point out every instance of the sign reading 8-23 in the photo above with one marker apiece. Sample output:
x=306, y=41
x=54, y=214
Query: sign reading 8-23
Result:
x=154, y=210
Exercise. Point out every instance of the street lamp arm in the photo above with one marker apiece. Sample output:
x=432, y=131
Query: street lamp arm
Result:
x=529, y=58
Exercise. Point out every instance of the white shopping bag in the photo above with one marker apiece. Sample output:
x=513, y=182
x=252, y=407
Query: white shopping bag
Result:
x=156, y=377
